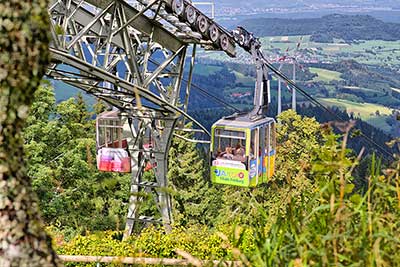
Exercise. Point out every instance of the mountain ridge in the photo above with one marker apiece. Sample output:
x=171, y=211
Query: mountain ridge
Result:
x=325, y=29
x=290, y=3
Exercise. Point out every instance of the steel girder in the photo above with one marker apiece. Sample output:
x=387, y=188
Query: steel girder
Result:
x=132, y=56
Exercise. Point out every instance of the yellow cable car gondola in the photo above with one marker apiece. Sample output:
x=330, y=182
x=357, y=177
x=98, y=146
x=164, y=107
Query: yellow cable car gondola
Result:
x=243, y=147
x=243, y=151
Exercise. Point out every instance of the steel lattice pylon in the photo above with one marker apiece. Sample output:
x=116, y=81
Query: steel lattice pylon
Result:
x=132, y=56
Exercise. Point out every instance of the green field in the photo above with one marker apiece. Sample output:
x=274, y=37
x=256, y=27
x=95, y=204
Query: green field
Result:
x=380, y=123
x=214, y=55
x=205, y=70
x=375, y=52
x=366, y=111
x=325, y=75
x=366, y=91
x=243, y=79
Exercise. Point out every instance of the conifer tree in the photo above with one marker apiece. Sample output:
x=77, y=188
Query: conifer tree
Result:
x=196, y=200
x=60, y=145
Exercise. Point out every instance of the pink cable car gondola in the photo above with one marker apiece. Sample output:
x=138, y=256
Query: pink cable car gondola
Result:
x=112, y=147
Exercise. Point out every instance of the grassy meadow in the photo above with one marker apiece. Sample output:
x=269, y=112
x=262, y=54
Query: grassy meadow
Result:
x=374, y=114
x=325, y=75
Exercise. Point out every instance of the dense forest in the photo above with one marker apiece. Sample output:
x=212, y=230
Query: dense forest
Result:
x=346, y=27
x=316, y=209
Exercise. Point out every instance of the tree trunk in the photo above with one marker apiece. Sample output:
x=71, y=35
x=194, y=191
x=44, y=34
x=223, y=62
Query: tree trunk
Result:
x=23, y=59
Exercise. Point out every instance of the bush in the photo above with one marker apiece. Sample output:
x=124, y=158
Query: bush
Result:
x=200, y=241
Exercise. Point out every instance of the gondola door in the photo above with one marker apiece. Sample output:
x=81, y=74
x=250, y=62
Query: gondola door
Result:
x=270, y=151
x=263, y=153
x=254, y=158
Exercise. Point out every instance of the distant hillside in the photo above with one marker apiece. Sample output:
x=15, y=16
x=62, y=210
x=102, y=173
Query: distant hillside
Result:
x=324, y=29
x=308, y=3
x=356, y=74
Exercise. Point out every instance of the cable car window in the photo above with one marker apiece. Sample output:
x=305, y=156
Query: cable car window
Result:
x=267, y=140
x=273, y=138
x=254, y=144
x=230, y=134
x=262, y=140
x=110, y=133
x=112, y=154
x=229, y=144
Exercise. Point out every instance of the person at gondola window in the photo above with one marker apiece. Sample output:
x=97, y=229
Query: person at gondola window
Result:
x=228, y=153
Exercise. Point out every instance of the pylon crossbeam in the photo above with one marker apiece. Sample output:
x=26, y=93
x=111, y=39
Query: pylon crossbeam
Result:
x=133, y=59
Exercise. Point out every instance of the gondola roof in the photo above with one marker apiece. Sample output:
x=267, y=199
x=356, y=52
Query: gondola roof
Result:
x=242, y=121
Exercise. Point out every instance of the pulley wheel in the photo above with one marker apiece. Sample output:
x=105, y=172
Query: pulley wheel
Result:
x=242, y=39
x=202, y=24
x=191, y=14
x=214, y=33
x=178, y=7
x=224, y=42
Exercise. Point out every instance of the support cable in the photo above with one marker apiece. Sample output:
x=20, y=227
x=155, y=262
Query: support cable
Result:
x=203, y=91
x=316, y=102
x=281, y=75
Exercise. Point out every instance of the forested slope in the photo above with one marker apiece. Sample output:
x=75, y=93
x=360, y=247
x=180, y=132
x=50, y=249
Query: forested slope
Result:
x=324, y=206
x=326, y=28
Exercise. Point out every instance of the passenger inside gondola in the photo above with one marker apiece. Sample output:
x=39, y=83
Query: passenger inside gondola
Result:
x=227, y=154
x=239, y=153
x=251, y=155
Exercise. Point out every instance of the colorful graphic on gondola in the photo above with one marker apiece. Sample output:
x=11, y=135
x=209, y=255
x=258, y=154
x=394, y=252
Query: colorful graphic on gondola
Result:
x=229, y=176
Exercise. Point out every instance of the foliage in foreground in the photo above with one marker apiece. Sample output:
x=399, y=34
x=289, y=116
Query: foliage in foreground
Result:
x=334, y=227
x=309, y=214
x=337, y=226
x=199, y=241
